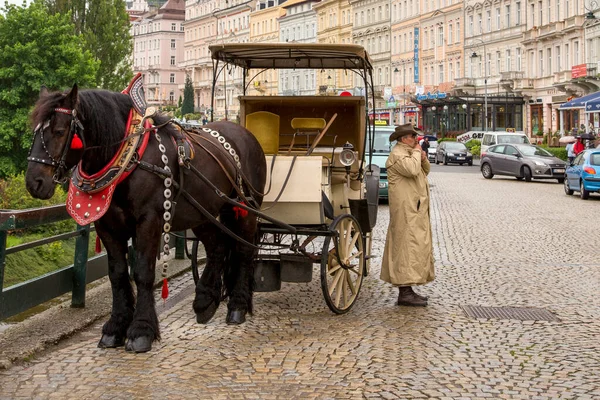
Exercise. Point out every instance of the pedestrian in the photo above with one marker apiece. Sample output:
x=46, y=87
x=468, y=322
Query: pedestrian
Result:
x=570, y=152
x=425, y=145
x=408, y=255
x=578, y=147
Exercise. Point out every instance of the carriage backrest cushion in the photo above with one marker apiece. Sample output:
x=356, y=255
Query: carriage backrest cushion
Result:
x=264, y=126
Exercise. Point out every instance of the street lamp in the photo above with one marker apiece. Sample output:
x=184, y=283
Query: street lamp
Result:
x=446, y=112
x=475, y=55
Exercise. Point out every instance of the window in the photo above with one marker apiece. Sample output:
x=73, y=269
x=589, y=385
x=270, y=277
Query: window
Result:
x=450, y=41
x=507, y=17
x=440, y=36
x=519, y=59
x=558, y=64
x=173, y=26
x=549, y=11
x=480, y=20
x=498, y=23
x=567, y=9
x=172, y=78
x=576, y=53
x=541, y=71
x=450, y=71
x=172, y=60
x=172, y=43
x=457, y=69
x=498, y=63
x=471, y=25
x=458, y=32
x=441, y=73
x=171, y=96
x=518, y=6
x=489, y=20
x=508, y=61
x=541, y=11
x=567, y=57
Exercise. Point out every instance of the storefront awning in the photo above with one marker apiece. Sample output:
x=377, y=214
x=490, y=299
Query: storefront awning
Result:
x=593, y=105
x=580, y=102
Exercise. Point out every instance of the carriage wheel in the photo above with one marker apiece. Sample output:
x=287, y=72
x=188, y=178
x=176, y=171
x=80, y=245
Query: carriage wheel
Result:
x=342, y=264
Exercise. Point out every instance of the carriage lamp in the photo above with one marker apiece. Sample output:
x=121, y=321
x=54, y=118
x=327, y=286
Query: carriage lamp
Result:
x=347, y=156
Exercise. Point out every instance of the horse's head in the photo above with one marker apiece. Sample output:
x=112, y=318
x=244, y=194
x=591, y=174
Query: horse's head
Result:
x=57, y=142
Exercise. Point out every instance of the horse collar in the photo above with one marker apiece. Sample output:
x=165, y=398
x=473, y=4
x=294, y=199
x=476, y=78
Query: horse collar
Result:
x=90, y=195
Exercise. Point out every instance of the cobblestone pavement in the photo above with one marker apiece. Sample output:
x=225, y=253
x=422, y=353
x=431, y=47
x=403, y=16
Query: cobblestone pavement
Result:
x=497, y=242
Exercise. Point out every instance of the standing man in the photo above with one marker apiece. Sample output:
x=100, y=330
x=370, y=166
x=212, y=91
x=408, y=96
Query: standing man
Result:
x=408, y=255
x=425, y=145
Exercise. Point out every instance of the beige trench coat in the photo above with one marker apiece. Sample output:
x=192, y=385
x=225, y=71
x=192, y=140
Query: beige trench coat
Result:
x=408, y=255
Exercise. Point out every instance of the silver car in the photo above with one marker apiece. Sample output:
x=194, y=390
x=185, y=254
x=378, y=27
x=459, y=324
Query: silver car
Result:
x=523, y=161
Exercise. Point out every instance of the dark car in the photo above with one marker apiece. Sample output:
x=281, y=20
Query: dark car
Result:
x=453, y=152
x=523, y=161
x=583, y=175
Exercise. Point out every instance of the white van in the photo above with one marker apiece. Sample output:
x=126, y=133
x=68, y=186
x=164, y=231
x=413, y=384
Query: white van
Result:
x=492, y=138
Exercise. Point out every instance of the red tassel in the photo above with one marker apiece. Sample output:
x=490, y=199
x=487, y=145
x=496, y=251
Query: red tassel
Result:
x=98, y=245
x=240, y=212
x=165, y=289
x=76, y=143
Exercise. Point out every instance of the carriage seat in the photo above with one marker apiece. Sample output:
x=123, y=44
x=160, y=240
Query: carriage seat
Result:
x=305, y=127
x=264, y=126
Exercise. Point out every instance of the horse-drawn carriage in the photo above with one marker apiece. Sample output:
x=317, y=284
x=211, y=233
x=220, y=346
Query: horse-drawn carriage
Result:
x=318, y=180
x=287, y=187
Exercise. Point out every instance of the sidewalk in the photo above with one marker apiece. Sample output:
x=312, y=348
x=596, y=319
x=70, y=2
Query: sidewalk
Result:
x=23, y=340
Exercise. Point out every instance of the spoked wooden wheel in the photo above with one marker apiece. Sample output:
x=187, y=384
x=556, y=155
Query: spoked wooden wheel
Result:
x=342, y=264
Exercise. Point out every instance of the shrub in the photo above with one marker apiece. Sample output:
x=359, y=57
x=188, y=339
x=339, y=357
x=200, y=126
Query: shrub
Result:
x=446, y=140
x=476, y=150
x=473, y=142
x=559, y=152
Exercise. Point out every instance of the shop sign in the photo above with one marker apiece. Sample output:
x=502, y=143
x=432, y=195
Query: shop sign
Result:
x=382, y=118
x=578, y=71
x=416, y=55
x=431, y=96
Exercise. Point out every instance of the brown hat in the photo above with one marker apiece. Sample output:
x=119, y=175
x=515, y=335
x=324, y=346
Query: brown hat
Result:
x=403, y=130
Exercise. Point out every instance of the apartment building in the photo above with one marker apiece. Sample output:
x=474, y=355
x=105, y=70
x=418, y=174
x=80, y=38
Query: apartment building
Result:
x=372, y=30
x=298, y=24
x=334, y=25
x=158, y=39
x=264, y=28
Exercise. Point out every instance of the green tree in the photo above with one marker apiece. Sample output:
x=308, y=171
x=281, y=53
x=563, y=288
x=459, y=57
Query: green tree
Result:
x=188, y=97
x=105, y=27
x=36, y=49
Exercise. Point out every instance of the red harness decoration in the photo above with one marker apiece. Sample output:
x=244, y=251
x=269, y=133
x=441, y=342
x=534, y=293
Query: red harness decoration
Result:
x=90, y=195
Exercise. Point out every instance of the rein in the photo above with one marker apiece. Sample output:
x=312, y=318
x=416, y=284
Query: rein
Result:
x=75, y=131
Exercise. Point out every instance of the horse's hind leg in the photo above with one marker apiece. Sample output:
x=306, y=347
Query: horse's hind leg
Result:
x=239, y=275
x=115, y=329
x=209, y=287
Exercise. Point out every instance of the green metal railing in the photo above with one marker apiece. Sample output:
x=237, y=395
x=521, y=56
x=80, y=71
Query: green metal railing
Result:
x=74, y=278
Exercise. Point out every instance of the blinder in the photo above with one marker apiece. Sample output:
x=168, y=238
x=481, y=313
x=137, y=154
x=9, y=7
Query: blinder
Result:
x=75, y=132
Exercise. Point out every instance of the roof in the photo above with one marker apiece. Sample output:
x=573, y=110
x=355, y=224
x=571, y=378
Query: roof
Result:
x=292, y=55
x=580, y=102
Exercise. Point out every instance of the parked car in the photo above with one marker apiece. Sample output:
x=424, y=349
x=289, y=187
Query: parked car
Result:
x=492, y=138
x=583, y=175
x=433, y=144
x=453, y=152
x=523, y=161
x=381, y=152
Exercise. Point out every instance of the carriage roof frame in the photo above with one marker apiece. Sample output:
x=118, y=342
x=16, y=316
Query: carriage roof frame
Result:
x=284, y=55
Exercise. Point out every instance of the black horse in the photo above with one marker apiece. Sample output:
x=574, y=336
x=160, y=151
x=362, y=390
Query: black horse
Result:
x=97, y=119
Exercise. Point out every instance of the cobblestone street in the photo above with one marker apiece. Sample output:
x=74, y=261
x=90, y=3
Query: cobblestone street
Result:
x=497, y=243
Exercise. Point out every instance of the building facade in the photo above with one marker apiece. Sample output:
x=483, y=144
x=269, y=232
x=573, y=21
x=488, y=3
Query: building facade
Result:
x=158, y=47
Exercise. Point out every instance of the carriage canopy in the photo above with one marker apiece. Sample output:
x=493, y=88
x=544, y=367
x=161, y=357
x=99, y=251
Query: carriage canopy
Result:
x=292, y=55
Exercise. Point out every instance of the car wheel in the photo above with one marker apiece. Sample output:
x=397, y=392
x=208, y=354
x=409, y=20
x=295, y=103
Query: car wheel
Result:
x=568, y=190
x=527, y=174
x=519, y=178
x=445, y=160
x=486, y=171
x=584, y=194
x=460, y=163
x=561, y=180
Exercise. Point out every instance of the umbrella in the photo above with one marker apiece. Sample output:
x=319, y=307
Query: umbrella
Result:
x=567, y=139
x=587, y=136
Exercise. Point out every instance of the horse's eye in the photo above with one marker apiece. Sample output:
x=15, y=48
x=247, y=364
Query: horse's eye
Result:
x=60, y=132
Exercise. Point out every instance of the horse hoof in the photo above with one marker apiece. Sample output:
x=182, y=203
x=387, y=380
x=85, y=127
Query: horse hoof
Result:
x=204, y=316
x=140, y=344
x=236, y=317
x=111, y=341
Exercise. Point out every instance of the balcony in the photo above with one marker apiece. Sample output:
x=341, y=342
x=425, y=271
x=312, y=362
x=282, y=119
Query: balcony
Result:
x=463, y=82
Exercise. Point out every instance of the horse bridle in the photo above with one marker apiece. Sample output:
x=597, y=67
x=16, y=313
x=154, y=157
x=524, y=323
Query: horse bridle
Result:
x=60, y=165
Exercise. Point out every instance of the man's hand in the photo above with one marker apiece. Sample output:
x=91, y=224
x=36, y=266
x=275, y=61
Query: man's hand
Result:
x=423, y=155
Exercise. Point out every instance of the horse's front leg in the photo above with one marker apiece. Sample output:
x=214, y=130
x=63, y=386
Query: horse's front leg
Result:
x=115, y=329
x=144, y=328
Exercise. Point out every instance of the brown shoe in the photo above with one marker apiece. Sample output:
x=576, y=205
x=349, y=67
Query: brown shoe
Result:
x=419, y=296
x=406, y=297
